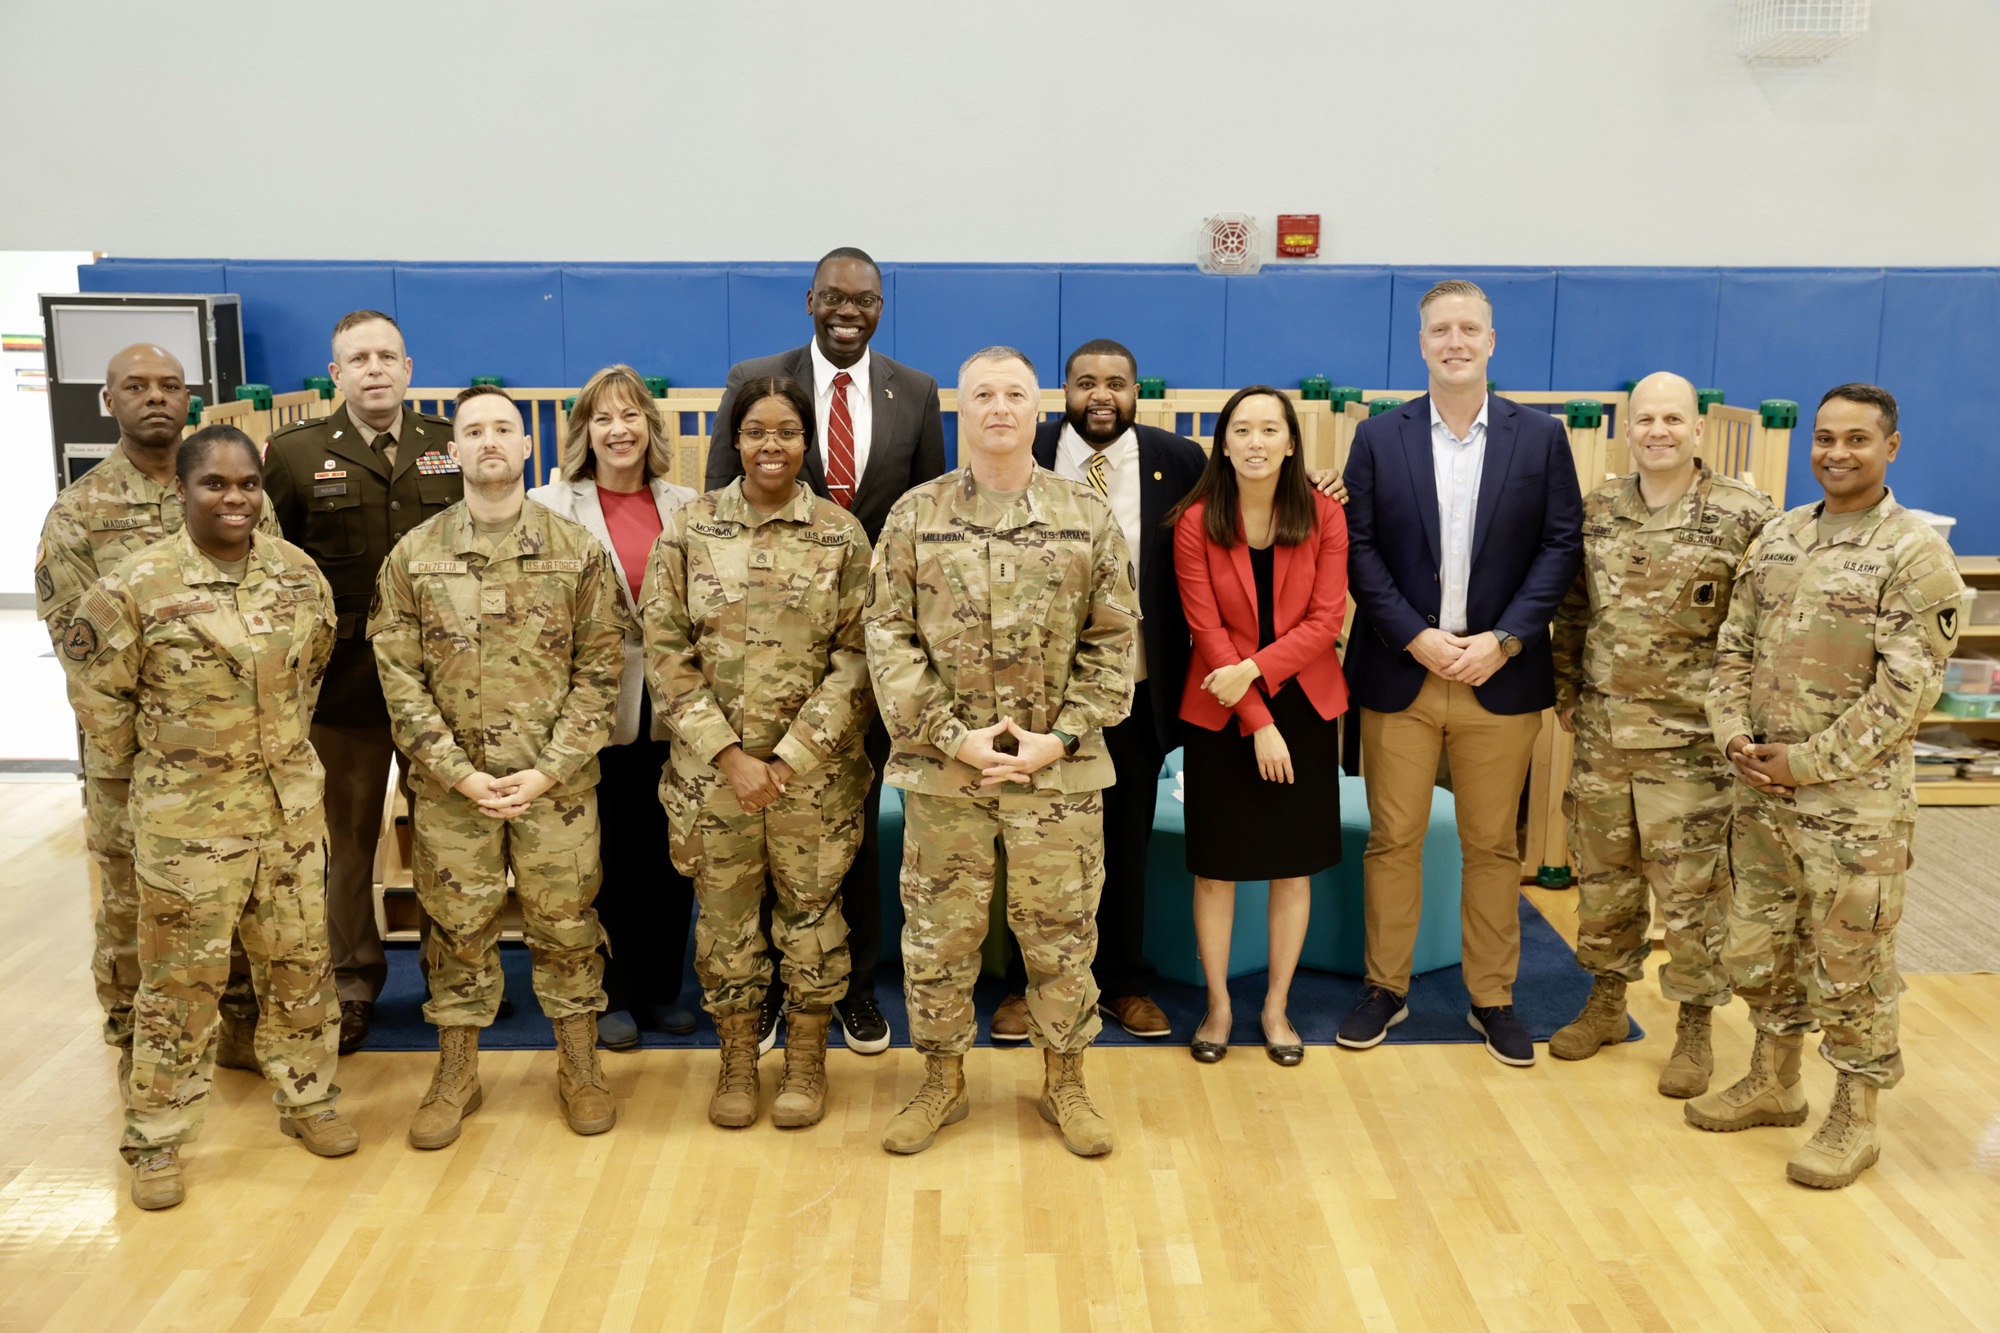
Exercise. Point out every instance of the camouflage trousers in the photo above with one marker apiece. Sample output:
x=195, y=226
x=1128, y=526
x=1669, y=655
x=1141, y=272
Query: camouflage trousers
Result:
x=1646, y=823
x=804, y=841
x=460, y=859
x=114, y=958
x=192, y=894
x=1812, y=930
x=1047, y=848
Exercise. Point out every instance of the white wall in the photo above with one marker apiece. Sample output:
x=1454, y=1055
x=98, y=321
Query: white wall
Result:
x=1427, y=131
x=27, y=459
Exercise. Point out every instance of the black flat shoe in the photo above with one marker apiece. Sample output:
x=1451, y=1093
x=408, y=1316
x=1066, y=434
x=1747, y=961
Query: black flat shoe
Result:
x=1282, y=1055
x=1206, y=1052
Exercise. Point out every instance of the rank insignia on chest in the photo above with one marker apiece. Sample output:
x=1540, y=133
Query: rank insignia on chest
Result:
x=257, y=622
x=1704, y=593
x=493, y=601
x=434, y=464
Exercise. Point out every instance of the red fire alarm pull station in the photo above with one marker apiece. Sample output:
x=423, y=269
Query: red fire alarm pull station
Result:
x=1298, y=235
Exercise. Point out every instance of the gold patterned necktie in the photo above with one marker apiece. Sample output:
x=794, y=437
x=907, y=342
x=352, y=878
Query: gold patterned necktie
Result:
x=1096, y=474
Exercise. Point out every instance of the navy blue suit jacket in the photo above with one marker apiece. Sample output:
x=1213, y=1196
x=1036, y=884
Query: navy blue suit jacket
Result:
x=1527, y=545
x=1169, y=466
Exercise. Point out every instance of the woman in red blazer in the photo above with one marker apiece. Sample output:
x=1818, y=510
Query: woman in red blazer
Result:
x=1262, y=562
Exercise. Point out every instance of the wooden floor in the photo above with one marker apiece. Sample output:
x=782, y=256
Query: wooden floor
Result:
x=1403, y=1188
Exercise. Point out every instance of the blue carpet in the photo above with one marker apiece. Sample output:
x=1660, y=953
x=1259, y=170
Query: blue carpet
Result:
x=1547, y=993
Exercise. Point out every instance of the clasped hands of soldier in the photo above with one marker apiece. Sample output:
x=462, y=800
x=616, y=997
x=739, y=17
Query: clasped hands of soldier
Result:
x=507, y=796
x=1034, y=751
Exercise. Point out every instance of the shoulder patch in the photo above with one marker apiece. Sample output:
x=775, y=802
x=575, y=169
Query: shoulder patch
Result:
x=553, y=566
x=1940, y=585
x=80, y=644
x=438, y=566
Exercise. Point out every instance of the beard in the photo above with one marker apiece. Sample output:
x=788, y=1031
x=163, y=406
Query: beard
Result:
x=1121, y=422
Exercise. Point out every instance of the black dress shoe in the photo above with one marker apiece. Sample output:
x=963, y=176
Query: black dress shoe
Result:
x=1506, y=1039
x=670, y=1018
x=1287, y=1056
x=1206, y=1052
x=355, y=1016
x=506, y=1006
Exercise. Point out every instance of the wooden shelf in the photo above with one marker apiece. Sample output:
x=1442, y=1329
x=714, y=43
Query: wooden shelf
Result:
x=1980, y=632
x=1958, y=791
x=1935, y=718
x=1979, y=566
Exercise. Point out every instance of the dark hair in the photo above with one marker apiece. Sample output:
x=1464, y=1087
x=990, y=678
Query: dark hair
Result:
x=1296, y=511
x=1874, y=395
x=756, y=391
x=846, y=252
x=354, y=319
x=466, y=395
x=1101, y=347
x=195, y=449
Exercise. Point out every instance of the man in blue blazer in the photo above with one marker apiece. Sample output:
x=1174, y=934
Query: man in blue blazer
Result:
x=1142, y=472
x=1465, y=529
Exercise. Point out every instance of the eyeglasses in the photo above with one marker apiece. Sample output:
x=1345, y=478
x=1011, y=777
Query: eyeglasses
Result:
x=832, y=298
x=783, y=435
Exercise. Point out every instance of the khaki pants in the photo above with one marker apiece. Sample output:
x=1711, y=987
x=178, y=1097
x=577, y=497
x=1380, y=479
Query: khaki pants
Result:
x=1489, y=755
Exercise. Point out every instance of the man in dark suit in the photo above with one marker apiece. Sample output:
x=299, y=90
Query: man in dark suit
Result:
x=1142, y=472
x=346, y=487
x=1464, y=523
x=880, y=432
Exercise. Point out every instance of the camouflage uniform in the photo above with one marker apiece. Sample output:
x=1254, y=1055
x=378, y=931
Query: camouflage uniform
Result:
x=1649, y=794
x=204, y=686
x=753, y=637
x=500, y=654
x=110, y=512
x=1836, y=648
x=981, y=610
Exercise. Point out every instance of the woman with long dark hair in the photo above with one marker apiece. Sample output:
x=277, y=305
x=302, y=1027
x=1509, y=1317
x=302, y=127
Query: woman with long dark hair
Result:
x=1262, y=563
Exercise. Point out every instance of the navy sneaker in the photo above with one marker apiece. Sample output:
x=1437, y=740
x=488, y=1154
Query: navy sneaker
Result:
x=1506, y=1040
x=862, y=1024
x=616, y=1031
x=1371, y=1020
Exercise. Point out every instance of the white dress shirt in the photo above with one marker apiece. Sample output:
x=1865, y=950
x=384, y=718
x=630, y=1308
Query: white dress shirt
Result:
x=1458, y=464
x=859, y=408
x=1121, y=480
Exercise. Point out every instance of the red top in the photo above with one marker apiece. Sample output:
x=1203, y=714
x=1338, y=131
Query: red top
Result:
x=1219, y=591
x=634, y=523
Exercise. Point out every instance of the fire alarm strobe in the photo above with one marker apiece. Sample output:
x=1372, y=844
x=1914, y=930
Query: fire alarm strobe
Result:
x=1298, y=235
x=1229, y=244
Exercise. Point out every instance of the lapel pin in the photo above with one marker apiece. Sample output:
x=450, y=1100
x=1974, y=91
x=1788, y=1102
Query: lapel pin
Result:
x=888, y=393
x=336, y=435
x=1159, y=476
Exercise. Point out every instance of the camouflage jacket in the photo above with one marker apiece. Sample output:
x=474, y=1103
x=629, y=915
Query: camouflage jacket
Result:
x=500, y=654
x=980, y=611
x=202, y=687
x=110, y=512
x=1838, y=650
x=1635, y=638
x=753, y=629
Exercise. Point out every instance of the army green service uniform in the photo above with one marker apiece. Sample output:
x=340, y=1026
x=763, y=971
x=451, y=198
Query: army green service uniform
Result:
x=1835, y=644
x=1649, y=793
x=983, y=607
x=201, y=678
x=753, y=638
x=499, y=654
x=109, y=513
x=347, y=495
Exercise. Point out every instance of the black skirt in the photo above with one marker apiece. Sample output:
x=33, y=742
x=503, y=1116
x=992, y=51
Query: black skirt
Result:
x=1241, y=827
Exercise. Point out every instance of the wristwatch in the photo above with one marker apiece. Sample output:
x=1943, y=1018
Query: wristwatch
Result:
x=1069, y=742
x=1508, y=643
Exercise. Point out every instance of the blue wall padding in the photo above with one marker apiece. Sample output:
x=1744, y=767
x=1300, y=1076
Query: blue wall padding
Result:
x=465, y=320
x=1619, y=324
x=1795, y=333
x=945, y=314
x=660, y=321
x=1524, y=320
x=1929, y=334
x=1286, y=324
x=1172, y=319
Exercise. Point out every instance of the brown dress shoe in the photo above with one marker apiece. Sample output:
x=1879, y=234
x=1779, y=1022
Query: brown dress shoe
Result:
x=1138, y=1015
x=1010, y=1020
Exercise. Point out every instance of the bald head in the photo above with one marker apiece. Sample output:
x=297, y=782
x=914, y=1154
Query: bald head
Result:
x=1663, y=428
x=146, y=392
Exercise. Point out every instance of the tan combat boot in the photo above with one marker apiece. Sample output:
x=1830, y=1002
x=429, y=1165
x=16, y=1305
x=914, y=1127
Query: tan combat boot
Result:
x=1687, y=1069
x=323, y=1133
x=156, y=1180
x=454, y=1092
x=236, y=1043
x=734, y=1105
x=1066, y=1104
x=580, y=1085
x=1847, y=1142
x=940, y=1101
x=1770, y=1094
x=1602, y=1023
x=802, y=1091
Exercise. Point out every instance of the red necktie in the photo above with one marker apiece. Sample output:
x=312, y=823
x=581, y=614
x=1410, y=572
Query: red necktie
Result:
x=840, y=444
